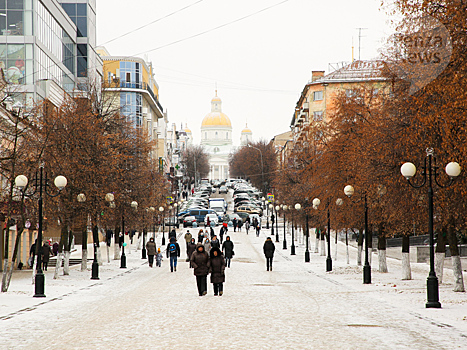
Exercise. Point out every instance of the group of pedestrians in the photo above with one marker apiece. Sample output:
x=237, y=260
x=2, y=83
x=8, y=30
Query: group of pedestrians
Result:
x=204, y=263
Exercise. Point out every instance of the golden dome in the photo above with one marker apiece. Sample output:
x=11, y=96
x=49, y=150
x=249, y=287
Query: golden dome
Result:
x=246, y=130
x=216, y=99
x=216, y=119
x=188, y=131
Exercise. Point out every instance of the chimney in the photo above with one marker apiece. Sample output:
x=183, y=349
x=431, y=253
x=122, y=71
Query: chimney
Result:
x=317, y=74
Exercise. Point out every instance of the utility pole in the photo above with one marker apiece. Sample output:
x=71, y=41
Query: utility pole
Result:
x=359, y=40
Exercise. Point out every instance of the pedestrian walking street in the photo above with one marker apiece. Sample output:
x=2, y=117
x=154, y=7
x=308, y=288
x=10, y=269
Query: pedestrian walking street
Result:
x=296, y=306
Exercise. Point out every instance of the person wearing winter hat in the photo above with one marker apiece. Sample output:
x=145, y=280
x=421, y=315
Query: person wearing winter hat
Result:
x=159, y=258
x=217, y=270
x=268, y=249
x=151, y=249
x=173, y=251
x=201, y=264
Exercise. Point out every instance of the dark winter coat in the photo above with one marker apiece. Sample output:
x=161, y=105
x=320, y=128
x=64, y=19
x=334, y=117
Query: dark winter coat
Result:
x=151, y=248
x=177, y=250
x=215, y=244
x=200, y=261
x=190, y=249
x=269, y=248
x=46, y=252
x=173, y=234
x=217, y=267
x=227, y=248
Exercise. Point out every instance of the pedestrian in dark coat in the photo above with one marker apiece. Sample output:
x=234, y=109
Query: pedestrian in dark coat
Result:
x=190, y=249
x=217, y=271
x=228, y=249
x=221, y=234
x=151, y=249
x=215, y=243
x=172, y=234
x=234, y=222
x=239, y=225
x=201, y=264
x=46, y=253
x=200, y=236
x=173, y=252
x=55, y=249
x=212, y=232
x=268, y=249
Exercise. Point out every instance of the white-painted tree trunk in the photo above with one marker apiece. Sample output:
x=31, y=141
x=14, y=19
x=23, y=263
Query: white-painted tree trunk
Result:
x=34, y=268
x=8, y=277
x=347, y=255
x=108, y=253
x=439, y=266
x=73, y=243
x=457, y=272
x=140, y=242
x=335, y=252
x=99, y=256
x=317, y=245
x=4, y=275
x=359, y=255
x=66, y=264
x=370, y=255
x=58, y=265
x=406, y=270
x=382, y=263
x=323, y=248
x=84, y=260
x=116, y=251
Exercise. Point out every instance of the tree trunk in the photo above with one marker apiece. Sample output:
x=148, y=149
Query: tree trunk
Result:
x=360, y=247
x=406, y=270
x=370, y=245
x=456, y=261
x=6, y=236
x=317, y=240
x=13, y=259
x=440, y=255
x=382, y=262
x=116, y=244
x=67, y=248
x=84, y=245
x=61, y=244
x=347, y=255
x=323, y=243
x=335, y=247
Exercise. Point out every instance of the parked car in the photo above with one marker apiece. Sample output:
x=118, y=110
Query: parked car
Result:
x=189, y=220
x=212, y=218
x=223, y=189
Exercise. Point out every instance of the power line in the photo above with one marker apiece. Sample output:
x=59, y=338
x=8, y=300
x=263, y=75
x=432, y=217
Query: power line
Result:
x=155, y=21
x=212, y=29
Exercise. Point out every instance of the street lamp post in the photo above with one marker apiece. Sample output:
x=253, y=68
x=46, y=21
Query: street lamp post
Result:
x=284, y=243
x=430, y=172
x=292, y=247
x=316, y=203
x=95, y=265
x=271, y=206
x=143, y=249
x=349, y=191
x=277, y=223
x=161, y=210
x=40, y=184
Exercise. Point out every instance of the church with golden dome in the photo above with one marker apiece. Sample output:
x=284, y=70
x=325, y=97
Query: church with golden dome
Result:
x=216, y=137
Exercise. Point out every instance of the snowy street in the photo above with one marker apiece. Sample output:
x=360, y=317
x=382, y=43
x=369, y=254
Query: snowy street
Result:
x=296, y=306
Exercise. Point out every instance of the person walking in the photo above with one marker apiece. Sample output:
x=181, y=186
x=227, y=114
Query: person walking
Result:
x=239, y=225
x=173, y=251
x=221, y=234
x=32, y=253
x=46, y=253
x=217, y=270
x=201, y=263
x=212, y=231
x=200, y=236
x=173, y=234
x=257, y=227
x=268, y=249
x=190, y=249
x=159, y=258
x=188, y=238
x=228, y=249
x=247, y=225
x=215, y=243
x=234, y=222
x=151, y=249
x=207, y=245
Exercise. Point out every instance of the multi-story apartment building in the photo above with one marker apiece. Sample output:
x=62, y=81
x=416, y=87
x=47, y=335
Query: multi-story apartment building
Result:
x=131, y=84
x=47, y=47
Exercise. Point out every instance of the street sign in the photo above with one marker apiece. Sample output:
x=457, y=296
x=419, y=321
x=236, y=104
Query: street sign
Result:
x=270, y=197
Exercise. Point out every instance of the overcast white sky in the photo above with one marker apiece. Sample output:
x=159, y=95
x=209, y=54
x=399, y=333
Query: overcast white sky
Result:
x=260, y=63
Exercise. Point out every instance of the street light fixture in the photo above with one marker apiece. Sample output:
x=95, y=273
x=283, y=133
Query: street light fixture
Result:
x=161, y=210
x=277, y=223
x=41, y=185
x=292, y=247
x=430, y=172
x=284, y=244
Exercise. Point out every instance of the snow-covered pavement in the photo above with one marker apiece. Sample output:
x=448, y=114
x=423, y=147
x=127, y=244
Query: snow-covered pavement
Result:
x=296, y=306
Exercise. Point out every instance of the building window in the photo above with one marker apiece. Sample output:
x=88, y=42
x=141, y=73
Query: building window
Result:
x=130, y=74
x=82, y=70
x=206, y=135
x=216, y=135
x=78, y=14
x=226, y=135
x=318, y=116
x=317, y=95
x=131, y=105
x=349, y=93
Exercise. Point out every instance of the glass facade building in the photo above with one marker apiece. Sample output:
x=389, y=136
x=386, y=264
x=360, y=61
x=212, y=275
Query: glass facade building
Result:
x=46, y=43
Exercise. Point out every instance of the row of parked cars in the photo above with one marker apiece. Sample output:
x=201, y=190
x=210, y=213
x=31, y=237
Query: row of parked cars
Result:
x=246, y=198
